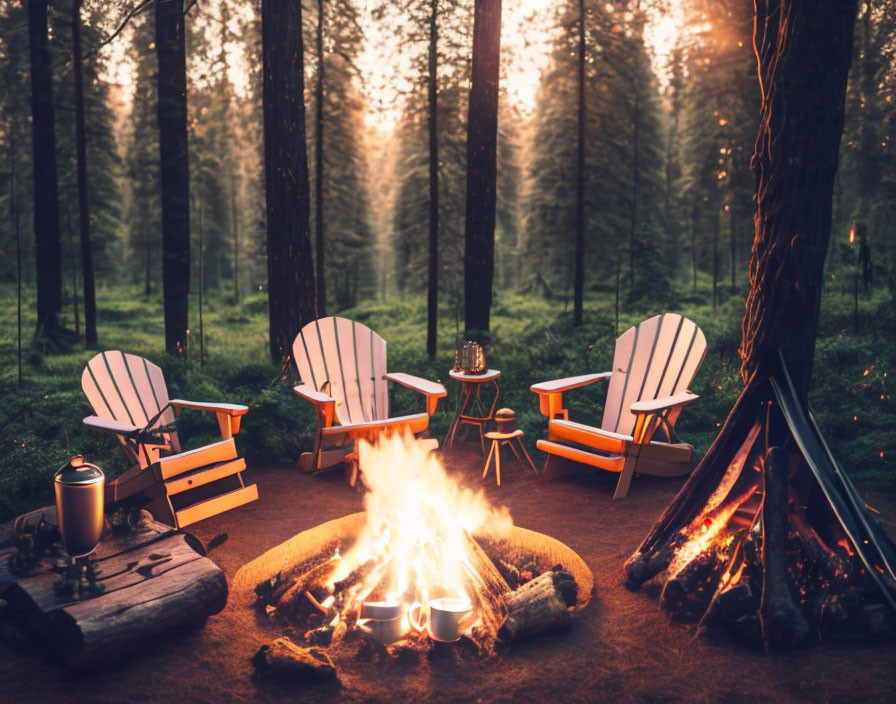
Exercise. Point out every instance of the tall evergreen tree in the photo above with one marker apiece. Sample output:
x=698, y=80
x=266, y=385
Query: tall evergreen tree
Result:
x=83, y=204
x=142, y=160
x=174, y=171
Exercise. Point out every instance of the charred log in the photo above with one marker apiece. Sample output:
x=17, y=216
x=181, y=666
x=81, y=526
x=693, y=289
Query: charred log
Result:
x=782, y=620
x=688, y=593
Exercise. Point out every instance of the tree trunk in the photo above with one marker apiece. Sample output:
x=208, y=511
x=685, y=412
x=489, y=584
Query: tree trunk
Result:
x=74, y=267
x=46, y=190
x=14, y=208
x=174, y=172
x=482, y=142
x=804, y=53
x=579, y=274
x=732, y=227
x=292, y=298
x=716, y=232
x=432, y=299
x=87, y=273
x=694, y=246
x=634, y=214
x=147, y=263
x=319, y=166
x=235, y=224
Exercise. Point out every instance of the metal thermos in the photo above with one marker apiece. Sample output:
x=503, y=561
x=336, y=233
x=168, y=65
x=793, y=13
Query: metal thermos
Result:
x=79, y=505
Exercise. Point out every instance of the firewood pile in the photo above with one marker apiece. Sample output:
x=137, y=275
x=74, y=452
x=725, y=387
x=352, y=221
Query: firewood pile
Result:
x=515, y=594
x=772, y=543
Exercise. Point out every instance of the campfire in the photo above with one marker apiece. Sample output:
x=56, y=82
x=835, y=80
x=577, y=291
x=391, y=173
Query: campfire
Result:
x=427, y=561
x=775, y=544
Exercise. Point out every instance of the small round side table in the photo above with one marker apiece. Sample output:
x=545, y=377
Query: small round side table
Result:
x=499, y=440
x=471, y=403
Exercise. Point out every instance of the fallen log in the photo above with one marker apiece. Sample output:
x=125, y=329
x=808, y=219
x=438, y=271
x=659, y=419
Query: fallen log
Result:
x=285, y=660
x=540, y=605
x=153, y=578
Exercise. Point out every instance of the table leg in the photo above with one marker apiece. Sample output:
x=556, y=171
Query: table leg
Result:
x=462, y=405
x=488, y=460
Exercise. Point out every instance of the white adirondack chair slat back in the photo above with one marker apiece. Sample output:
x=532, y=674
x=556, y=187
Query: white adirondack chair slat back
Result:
x=347, y=361
x=126, y=388
x=655, y=359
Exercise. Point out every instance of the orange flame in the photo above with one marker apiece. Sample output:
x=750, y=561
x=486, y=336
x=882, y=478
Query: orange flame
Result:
x=414, y=540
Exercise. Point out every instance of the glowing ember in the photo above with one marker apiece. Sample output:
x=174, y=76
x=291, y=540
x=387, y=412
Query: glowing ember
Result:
x=414, y=545
x=702, y=538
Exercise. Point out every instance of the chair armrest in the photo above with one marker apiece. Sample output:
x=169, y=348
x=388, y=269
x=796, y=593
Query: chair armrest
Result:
x=232, y=409
x=229, y=414
x=325, y=405
x=550, y=393
x=431, y=389
x=109, y=425
x=571, y=382
x=661, y=404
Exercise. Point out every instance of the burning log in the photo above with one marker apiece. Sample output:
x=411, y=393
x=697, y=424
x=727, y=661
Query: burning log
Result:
x=782, y=621
x=689, y=592
x=486, y=588
x=293, y=601
x=540, y=605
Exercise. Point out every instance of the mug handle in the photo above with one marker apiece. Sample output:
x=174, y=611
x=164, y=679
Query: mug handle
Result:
x=418, y=625
x=465, y=621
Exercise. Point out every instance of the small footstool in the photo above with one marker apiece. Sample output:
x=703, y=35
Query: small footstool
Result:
x=505, y=435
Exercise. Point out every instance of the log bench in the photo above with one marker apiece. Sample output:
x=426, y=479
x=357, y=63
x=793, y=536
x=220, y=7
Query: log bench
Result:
x=155, y=578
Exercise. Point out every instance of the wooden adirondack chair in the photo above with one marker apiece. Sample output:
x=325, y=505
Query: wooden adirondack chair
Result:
x=653, y=365
x=129, y=397
x=342, y=365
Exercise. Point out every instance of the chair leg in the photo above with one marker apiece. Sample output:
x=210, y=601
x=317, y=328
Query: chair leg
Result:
x=161, y=508
x=556, y=467
x=625, y=477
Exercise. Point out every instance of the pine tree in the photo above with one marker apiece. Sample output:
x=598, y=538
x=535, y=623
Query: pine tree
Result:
x=142, y=161
x=292, y=299
x=719, y=107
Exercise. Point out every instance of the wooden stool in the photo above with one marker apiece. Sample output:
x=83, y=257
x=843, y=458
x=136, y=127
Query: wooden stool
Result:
x=512, y=439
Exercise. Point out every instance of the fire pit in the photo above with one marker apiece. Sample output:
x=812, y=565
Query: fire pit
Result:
x=425, y=550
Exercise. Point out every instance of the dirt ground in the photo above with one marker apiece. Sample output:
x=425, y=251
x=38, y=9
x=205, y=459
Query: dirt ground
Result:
x=620, y=648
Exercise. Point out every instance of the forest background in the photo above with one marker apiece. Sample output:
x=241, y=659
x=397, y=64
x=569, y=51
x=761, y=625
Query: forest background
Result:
x=671, y=105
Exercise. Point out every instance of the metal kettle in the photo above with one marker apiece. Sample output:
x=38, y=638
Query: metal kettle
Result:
x=79, y=489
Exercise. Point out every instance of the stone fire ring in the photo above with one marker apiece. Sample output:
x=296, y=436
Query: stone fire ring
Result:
x=314, y=541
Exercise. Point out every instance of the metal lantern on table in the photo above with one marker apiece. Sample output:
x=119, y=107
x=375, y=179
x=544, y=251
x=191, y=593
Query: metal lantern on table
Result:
x=79, y=489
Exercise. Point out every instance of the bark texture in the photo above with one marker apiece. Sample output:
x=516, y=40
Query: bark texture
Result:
x=292, y=297
x=482, y=142
x=174, y=172
x=804, y=51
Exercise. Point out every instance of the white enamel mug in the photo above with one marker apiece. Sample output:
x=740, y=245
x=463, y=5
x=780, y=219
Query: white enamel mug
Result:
x=445, y=619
